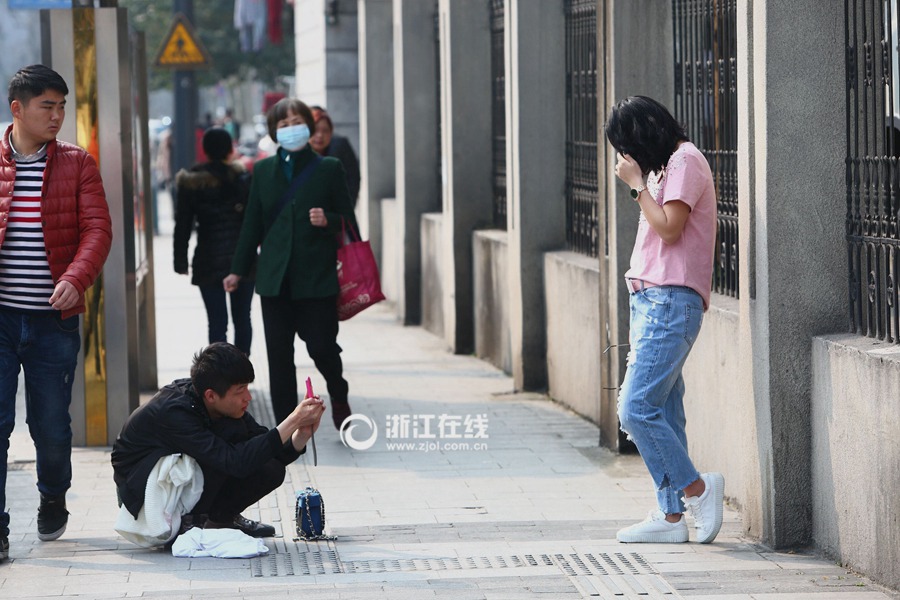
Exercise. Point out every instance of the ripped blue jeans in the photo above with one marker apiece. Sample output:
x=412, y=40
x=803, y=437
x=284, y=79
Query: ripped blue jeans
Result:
x=665, y=321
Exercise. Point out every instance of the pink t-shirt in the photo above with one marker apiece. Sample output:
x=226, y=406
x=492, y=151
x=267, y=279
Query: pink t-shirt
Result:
x=689, y=261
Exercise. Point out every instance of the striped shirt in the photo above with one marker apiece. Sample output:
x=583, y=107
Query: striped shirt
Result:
x=25, y=280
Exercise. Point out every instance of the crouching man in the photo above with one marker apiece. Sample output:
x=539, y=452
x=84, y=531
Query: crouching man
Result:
x=205, y=418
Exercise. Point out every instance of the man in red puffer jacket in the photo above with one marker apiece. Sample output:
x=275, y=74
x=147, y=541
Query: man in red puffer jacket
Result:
x=55, y=235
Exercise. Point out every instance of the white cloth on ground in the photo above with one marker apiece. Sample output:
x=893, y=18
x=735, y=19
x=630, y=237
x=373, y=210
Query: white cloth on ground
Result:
x=218, y=543
x=173, y=488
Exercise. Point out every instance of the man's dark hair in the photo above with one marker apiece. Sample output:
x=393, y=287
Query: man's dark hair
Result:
x=645, y=129
x=220, y=366
x=280, y=111
x=217, y=143
x=33, y=81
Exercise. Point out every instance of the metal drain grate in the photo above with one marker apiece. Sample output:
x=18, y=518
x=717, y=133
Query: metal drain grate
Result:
x=294, y=561
x=614, y=575
x=608, y=575
x=447, y=564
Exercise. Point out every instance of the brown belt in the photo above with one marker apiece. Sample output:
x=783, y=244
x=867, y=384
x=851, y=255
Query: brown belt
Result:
x=636, y=285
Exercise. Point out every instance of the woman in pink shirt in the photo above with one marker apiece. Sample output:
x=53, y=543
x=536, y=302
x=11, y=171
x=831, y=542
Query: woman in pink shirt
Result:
x=669, y=282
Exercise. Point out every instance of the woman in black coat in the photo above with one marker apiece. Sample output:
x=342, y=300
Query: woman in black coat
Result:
x=214, y=195
x=325, y=142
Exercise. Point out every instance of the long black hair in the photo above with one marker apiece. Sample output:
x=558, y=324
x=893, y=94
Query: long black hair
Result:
x=645, y=129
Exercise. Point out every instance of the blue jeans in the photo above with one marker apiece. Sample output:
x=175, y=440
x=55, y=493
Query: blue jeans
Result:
x=217, y=313
x=665, y=321
x=47, y=348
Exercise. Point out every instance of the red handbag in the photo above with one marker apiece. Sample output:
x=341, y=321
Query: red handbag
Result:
x=357, y=274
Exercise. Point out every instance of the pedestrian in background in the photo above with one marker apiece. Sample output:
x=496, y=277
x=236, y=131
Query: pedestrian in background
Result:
x=669, y=283
x=232, y=126
x=213, y=195
x=298, y=201
x=55, y=237
x=327, y=143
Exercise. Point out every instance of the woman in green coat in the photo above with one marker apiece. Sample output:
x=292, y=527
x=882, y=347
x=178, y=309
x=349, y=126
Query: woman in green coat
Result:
x=298, y=200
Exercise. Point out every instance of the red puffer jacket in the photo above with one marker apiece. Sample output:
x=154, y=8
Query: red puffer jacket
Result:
x=74, y=214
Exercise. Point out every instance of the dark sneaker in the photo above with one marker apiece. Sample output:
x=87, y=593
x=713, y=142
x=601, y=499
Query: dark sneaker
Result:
x=189, y=521
x=4, y=548
x=340, y=410
x=52, y=518
x=251, y=528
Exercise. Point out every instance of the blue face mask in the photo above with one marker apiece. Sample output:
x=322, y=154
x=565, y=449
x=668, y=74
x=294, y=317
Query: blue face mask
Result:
x=293, y=137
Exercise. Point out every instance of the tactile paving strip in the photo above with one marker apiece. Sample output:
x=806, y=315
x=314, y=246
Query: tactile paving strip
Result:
x=614, y=575
x=447, y=564
x=605, y=575
x=293, y=559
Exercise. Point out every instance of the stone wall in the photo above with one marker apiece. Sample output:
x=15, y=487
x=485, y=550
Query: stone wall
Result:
x=572, y=289
x=432, y=273
x=492, y=343
x=855, y=453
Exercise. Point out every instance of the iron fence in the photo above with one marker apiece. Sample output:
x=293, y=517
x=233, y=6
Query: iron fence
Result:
x=873, y=147
x=581, y=126
x=706, y=102
x=498, y=112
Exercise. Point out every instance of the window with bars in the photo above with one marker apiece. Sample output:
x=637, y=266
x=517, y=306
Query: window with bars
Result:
x=581, y=126
x=498, y=112
x=706, y=103
x=872, y=177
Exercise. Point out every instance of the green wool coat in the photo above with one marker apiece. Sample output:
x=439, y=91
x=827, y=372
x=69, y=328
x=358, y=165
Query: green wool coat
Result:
x=294, y=252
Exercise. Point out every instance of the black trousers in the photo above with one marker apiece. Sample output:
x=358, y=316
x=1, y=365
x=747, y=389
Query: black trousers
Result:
x=315, y=321
x=225, y=496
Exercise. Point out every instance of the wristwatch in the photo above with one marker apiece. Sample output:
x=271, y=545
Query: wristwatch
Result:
x=636, y=192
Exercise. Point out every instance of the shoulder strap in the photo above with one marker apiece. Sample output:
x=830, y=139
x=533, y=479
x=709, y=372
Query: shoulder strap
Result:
x=301, y=177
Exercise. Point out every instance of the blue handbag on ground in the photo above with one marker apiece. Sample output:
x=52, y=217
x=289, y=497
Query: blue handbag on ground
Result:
x=310, y=515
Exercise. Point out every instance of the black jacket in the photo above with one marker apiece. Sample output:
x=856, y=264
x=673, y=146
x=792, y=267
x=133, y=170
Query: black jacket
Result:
x=341, y=149
x=174, y=421
x=214, y=195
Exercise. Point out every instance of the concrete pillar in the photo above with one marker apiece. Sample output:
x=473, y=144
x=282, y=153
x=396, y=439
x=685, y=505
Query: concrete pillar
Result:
x=535, y=155
x=794, y=285
x=416, y=141
x=629, y=73
x=376, y=122
x=309, y=49
x=325, y=38
x=466, y=156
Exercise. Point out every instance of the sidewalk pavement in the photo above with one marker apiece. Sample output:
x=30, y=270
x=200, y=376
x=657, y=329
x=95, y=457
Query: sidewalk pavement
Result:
x=530, y=512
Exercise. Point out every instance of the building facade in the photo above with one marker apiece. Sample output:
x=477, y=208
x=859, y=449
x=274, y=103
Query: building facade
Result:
x=490, y=198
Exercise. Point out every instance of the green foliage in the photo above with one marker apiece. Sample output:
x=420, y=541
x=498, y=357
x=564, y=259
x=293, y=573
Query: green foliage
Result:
x=214, y=25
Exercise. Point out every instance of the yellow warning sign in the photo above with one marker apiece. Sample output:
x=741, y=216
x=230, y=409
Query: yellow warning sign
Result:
x=182, y=49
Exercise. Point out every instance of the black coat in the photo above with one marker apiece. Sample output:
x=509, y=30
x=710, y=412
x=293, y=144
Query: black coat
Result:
x=214, y=196
x=176, y=421
x=341, y=149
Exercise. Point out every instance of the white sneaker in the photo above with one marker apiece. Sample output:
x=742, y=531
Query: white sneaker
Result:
x=707, y=509
x=655, y=530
